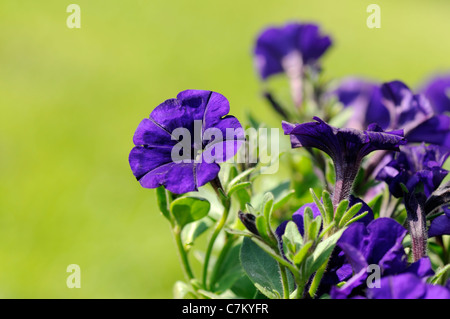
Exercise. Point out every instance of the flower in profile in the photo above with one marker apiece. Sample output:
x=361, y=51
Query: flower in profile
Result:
x=407, y=286
x=209, y=136
x=413, y=166
x=437, y=91
x=347, y=147
x=288, y=49
x=379, y=243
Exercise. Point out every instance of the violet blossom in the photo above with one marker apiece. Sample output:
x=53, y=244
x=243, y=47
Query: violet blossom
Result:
x=440, y=225
x=437, y=91
x=288, y=49
x=417, y=167
x=379, y=243
x=393, y=105
x=346, y=146
x=413, y=166
x=157, y=159
x=407, y=286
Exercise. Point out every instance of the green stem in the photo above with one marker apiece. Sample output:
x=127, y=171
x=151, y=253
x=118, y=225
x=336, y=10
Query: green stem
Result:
x=300, y=289
x=284, y=281
x=299, y=282
x=217, y=230
x=182, y=253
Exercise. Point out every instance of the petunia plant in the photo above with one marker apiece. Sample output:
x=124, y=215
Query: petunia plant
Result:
x=353, y=203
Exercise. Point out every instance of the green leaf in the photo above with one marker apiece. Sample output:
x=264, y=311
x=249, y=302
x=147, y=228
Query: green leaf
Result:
x=181, y=290
x=440, y=274
x=267, y=206
x=375, y=204
x=229, y=271
x=355, y=219
x=189, y=209
x=314, y=228
x=244, y=288
x=261, y=268
x=228, y=171
x=238, y=178
x=349, y=214
x=161, y=200
x=282, y=193
x=404, y=188
x=307, y=220
x=263, y=231
x=322, y=253
x=271, y=294
x=237, y=187
x=329, y=207
x=302, y=253
x=228, y=294
x=193, y=230
x=243, y=198
x=267, y=209
x=292, y=240
x=340, y=210
x=318, y=204
x=326, y=230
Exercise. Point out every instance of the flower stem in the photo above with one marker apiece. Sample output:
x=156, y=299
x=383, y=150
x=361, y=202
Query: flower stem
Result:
x=284, y=281
x=217, y=230
x=417, y=225
x=176, y=230
x=345, y=176
x=300, y=288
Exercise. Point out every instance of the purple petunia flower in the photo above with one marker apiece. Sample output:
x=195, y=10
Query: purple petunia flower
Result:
x=418, y=166
x=289, y=49
x=393, y=105
x=210, y=136
x=275, y=45
x=440, y=225
x=437, y=91
x=380, y=243
x=346, y=147
x=365, y=98
x=414, y=165
x=407, y=286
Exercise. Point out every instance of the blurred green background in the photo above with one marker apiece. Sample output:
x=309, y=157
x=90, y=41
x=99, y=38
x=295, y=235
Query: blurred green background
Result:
x=71, y=99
